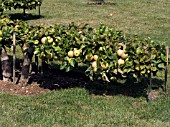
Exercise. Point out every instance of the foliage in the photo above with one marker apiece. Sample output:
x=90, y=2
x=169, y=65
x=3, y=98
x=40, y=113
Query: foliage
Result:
x=107, y=54
x=21, y=4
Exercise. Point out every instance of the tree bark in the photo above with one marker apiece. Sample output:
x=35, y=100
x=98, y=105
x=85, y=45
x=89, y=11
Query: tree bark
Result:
x=6, y=66
x=45, y=66
x=26, y=66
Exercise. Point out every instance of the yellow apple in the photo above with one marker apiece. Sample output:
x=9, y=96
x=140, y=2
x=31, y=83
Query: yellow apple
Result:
x=43, y=40
x=120, y=52
x=77, y=52
x=94, y=64
x=0, y=39
x=36, y=42
x=0, y=33
x=95, y=69
x=124, y=56
x=49, y=55
x=95, y=57
x=70, y=54
x=121, y=61
x=104, y=65
x=101, y=49
x=89, y=57
x=50, y=39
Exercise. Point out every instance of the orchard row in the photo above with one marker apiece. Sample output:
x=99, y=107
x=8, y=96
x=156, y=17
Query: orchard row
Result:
x=20, y=4
x=105, y=53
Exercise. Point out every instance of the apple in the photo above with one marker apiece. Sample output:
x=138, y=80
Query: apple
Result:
x=104, y=65
x=94, y=64
x=54, y=44
x=76, y=52
x=95, y=57
x=49, y=55
x=89, y=57
x=95, y=69
x=36, y=42
x=50, y=39
x=101, y=49
x=70, y=54
x=43, y=40
x=0, y=33
x=124, y=56
x=120, y=52
x=52, y=30
x=121, y=61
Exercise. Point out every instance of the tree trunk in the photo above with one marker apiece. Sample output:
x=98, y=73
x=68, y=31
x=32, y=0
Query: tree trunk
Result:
x=45, y=66
x=6, y=66
x=26, y=66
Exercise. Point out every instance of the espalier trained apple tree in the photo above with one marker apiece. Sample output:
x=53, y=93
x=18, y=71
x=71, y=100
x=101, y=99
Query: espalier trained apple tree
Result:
x=21, y=4
x=107, y=54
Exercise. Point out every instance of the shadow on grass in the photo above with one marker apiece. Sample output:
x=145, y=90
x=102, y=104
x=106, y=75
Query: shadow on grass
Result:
x=56, y=79
x=25, y=17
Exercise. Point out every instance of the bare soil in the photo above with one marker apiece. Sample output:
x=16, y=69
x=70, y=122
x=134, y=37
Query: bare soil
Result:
x=51, y=81
x=99, y=3
x=33, y=89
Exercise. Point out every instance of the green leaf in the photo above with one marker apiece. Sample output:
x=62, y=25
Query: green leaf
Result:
x=136, y=61
x=163, y=57
x=67, y=68
x=153, y=68
x=137, y=67
x=72, y=62
x=57, y=48
x=63, y=65
x=143, y=71
x=36, y=52
x=142, y=67
x=161, y=66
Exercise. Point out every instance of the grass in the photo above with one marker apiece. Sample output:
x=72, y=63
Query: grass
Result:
x=76, y=107
x=146, y=17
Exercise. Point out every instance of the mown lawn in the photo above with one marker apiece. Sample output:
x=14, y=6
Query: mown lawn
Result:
x=146, y=17
x=76, y=107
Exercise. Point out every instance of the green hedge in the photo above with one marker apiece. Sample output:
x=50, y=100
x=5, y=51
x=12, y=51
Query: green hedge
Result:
x=21, y=4
x=106, y=53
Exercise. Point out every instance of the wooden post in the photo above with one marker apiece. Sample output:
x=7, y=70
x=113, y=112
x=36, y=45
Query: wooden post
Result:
x=150, y=87
x=14, y=56
x=24, y=11
x=36, y=64
x=166, y=69
x=39, y=10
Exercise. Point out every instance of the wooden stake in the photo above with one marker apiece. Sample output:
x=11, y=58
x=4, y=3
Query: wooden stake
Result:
x=166, y=69
x=14, y=56
x=150, y=87
x=39, y=10
x=36, y=64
